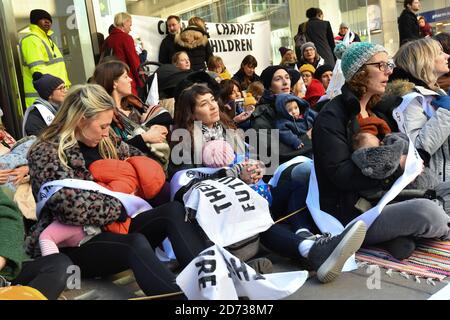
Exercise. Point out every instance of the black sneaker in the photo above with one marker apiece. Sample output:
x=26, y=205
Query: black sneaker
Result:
x=329, y=254
x=261, y=265
x=400, y=248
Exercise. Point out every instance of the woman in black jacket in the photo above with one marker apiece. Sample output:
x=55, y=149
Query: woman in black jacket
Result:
x=366, y=70
x=246, y=73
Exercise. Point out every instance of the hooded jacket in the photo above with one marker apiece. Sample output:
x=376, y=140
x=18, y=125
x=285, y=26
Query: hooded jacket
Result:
x=194, y=41
x=123, y=48
x=290, y=128
x=430, y=134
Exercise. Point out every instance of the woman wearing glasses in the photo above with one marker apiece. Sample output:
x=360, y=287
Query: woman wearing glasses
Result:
x=366, y=70
x=38, y=116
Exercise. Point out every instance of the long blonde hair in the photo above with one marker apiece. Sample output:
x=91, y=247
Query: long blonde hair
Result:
x=81, y=101
x=418, y=58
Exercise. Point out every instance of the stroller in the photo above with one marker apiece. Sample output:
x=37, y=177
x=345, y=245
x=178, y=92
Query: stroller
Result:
x=169, y=77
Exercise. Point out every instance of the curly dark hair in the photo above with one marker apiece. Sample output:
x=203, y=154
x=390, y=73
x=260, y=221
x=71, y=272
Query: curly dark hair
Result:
x=358, y=85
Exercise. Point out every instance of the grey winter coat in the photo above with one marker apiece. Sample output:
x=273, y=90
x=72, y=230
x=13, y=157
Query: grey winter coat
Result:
x=430, y=134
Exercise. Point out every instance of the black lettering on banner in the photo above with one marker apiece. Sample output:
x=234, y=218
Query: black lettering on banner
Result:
x=248, y=207
x=206, y=266
x=215, y=195
x=161, y=30
x=245, y=194
x=242, y=269
x=230, y=45
x=222, y=207
x=243, y=45
x=206, y=188
x=233, y=29
x=202, y=282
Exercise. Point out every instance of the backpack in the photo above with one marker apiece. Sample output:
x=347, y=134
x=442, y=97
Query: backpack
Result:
x=107, y=55
x=301, y=38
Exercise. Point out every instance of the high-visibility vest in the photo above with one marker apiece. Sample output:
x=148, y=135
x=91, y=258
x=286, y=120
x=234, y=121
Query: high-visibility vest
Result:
x=40, y=54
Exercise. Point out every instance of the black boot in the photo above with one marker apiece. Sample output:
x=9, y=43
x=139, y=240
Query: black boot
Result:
x=400, y=248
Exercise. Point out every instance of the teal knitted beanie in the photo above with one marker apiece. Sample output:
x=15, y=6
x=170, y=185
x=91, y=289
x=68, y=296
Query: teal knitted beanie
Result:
x=356, y=55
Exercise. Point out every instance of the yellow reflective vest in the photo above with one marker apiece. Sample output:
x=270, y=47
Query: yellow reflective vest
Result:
x=40, y=54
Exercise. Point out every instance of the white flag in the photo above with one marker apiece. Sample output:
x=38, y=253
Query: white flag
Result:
x=153, y=95
x=218, y=275
x=228, y=202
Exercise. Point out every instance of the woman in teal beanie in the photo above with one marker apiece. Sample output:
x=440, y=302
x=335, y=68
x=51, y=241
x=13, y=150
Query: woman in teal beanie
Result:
x=46, y=274
x=366, y=69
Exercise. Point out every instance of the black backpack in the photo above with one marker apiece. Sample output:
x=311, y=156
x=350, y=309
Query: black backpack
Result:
x=301, y=38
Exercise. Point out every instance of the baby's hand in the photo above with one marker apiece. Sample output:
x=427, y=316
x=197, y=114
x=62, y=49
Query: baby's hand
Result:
x=301, y=145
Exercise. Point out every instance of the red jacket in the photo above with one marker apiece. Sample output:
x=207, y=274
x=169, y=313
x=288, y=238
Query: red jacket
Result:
x=123, y=48
x=314, y=91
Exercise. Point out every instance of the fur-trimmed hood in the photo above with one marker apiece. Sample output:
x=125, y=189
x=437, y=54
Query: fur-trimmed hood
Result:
x=402, y=83
x=192, y=37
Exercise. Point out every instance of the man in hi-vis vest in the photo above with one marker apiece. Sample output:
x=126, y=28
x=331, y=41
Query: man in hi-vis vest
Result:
x=40, y=54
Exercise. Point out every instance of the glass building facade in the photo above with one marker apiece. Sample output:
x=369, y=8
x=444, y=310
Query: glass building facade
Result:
x=78, y=22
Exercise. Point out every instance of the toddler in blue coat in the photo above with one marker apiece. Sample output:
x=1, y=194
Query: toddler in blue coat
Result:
x=294, y=119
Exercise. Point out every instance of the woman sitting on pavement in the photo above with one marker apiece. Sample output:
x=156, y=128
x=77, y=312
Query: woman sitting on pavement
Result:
x=79, y=136
x=325, y=254
x=366, y=70
x=144, y=129
x=41, y=113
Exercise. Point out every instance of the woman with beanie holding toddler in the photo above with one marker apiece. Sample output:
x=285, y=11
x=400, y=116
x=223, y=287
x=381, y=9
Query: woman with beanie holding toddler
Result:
x=366, y=69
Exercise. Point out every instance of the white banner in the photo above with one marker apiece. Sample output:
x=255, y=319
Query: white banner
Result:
x=327, y=223
x=218, y=275
x=230, y=41
x=228, y=210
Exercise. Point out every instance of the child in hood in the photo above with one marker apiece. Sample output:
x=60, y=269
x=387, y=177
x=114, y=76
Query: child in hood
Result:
x=295, y=118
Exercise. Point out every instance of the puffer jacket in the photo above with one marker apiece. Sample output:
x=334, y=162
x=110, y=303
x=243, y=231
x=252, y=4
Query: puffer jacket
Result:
x=140, y=175
x=69, y=206
x=291, y=129
x=194, y=41
x=430, y=134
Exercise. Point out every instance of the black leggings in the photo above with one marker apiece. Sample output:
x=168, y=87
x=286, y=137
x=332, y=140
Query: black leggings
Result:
x=109, y=253
x=47, y=274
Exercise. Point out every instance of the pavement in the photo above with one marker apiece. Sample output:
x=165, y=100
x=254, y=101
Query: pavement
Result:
x=366, y=283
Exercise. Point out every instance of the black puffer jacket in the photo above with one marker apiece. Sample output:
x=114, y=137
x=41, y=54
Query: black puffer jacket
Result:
x=194, y=40
x=339, y=179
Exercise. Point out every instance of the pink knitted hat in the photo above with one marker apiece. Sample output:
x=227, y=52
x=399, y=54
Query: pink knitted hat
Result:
x=217, y=154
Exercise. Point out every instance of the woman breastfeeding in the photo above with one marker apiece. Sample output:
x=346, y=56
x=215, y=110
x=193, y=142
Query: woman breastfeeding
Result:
x=366, y=69
x=144, y=127
x=79, y=136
